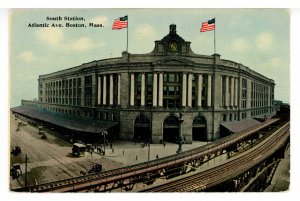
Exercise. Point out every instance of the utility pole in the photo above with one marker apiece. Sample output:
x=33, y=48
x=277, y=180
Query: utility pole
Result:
x=149, y=151
x=26, y=159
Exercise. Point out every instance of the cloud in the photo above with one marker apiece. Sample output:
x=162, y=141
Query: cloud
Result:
x=55, y=38
x=202, y=44
x=26, y=56
x=82, y=44
x=144, y=32
x=240, y=45
x=264, y=41
x=274, y=66
x=143, y=35
x=51, y=36
x=99, y=20
x=276, y=61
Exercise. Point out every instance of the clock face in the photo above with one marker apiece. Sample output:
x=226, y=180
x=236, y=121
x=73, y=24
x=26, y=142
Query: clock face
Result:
x=173, y=47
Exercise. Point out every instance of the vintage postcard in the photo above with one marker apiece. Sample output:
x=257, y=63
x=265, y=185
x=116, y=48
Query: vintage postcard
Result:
x=149, y=100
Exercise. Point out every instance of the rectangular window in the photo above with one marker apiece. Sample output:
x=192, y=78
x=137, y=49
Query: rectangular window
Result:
x=171, y=78
x=171, y=90
x=165, y=77
x=149, y=78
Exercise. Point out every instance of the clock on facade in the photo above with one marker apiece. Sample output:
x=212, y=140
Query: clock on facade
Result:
x=173, y=47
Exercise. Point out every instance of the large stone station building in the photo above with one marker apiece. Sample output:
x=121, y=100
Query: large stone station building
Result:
x=140, y=96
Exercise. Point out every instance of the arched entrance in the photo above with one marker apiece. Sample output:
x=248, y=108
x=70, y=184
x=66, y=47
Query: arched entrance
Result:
x=199, y=129
x=142, y=129
x=171, y=129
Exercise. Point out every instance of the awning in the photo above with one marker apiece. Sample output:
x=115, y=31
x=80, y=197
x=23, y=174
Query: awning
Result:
x=239, y=126
x=71, y=122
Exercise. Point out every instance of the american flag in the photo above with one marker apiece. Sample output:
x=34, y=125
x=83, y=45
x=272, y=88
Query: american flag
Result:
x=120, y=23
x=208, y=26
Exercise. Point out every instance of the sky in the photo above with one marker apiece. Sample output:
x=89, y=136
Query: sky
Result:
x=256, y=38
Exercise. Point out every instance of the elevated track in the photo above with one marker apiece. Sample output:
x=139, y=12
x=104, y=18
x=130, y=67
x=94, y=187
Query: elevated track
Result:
x=231, y=169
x=127, y=177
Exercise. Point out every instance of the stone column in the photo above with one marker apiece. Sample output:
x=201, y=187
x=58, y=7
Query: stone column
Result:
x=111, y=90
x=119, y=89
x=61, y=95
x=199, y=99
x=269, y=96
x=143, y=90
x=160, y=88
x=82, y=91
x=132, y=89
x=104, y=89
x=209, y=90
x=236, y=92
x=154, y=89
x=227, y=91
x=183, y=91
x=99, y=90
x=190, y=77
x=232, y=91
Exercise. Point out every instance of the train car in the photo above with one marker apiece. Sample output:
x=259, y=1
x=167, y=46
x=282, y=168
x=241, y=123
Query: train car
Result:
x=284, y=112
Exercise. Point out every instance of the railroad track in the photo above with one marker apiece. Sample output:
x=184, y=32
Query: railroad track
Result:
x=103, y=178
x=219, y=174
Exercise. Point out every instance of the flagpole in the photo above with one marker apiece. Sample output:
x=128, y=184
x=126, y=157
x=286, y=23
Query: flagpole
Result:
x=215, y=37
x=127, y=35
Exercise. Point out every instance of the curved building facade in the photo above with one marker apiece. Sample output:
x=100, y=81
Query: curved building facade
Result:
x=145, y=93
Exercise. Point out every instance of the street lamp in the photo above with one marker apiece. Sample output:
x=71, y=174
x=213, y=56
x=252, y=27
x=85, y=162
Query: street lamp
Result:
x=149, y=150
x=104, y=133
x=180, y=134
x=26, y=160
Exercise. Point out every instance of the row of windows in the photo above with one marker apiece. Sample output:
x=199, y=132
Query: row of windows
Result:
x=259, y=112
x=230, y=117
x=260, y=96
x=66, y=92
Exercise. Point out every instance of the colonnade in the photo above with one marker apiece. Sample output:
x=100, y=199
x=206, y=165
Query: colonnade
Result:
x=230, y=94
x=103, y=93
x=158, y=85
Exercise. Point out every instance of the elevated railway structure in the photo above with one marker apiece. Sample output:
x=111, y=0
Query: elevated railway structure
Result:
x=235, y=174
x=125, y=178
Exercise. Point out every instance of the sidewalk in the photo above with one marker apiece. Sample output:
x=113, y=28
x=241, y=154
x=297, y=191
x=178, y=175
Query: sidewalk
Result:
x=129, y=153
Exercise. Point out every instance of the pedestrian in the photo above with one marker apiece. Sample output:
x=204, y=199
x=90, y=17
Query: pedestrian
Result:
x=156, y=156
x=164, y=144
x=91, y=151
x=110, y=144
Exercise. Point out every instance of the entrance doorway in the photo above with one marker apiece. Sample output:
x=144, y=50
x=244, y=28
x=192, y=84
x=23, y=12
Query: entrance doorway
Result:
x=142, y=132
x=171, y=129
x=199, y=129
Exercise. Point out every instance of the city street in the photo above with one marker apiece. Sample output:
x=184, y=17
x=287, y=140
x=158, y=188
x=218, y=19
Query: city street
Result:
x=49, y=159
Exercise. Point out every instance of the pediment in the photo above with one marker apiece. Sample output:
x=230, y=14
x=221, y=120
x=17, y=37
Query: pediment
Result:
x=173, y=61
